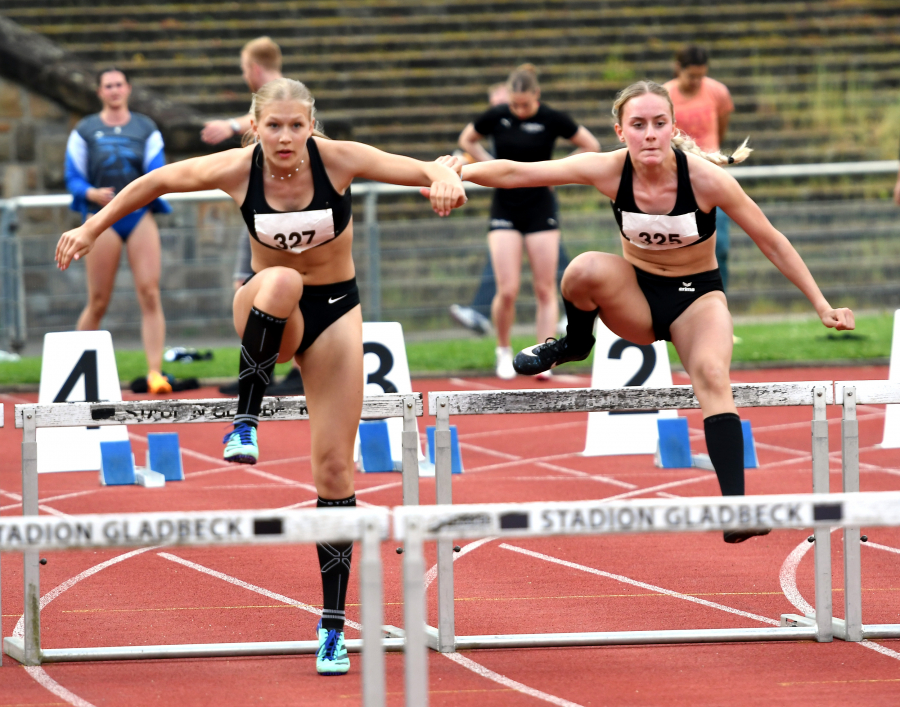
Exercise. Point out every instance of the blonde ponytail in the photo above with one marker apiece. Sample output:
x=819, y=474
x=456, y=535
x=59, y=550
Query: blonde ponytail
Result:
x=686, y=144
x=679, y=139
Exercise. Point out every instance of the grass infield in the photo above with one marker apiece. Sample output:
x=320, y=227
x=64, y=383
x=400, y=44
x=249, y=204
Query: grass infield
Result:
x=772, y=342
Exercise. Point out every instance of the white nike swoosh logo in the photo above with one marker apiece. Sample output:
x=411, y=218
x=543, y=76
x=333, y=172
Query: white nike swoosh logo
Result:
x=332, y=301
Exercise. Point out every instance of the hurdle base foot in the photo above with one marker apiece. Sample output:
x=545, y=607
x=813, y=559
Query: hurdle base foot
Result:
x=392, y=631
x=795, y=620
x=431, y=637
x=880, y=631
x=15, y=649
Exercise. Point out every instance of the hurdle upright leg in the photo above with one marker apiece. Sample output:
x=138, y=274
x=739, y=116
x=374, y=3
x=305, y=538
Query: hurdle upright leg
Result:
x=446, y=642
x=822, y=536
x=410, y=458
x=852, y=624
x=371, y=610
x=31, y=558
x=414, y=617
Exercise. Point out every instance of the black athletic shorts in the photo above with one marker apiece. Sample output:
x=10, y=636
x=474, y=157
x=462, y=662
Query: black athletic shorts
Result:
x=668, y=297
x=533, y=215
x=322, y=305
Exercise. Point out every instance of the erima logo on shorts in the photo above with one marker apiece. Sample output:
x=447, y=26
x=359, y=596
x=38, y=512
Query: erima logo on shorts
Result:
x=501, y=223
x=686, y=287
x=552, y=222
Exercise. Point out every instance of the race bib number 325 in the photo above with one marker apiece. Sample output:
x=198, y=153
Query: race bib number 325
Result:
x=295, y=231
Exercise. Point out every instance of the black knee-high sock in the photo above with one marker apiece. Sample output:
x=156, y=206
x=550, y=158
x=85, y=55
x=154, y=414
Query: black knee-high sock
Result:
x=725, y=443
x=580, y=326
x=259, y=352
x=334, y=561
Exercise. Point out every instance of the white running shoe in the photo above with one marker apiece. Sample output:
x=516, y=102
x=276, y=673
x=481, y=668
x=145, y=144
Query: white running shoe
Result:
x=505, y=368
x=471, y=319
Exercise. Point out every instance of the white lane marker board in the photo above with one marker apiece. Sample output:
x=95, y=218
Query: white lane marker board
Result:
x=891, y=438
x=386, y=370
x=77, y=366
x=618, y=363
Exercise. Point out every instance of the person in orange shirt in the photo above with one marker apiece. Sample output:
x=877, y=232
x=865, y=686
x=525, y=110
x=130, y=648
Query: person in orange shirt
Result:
x=702, y=109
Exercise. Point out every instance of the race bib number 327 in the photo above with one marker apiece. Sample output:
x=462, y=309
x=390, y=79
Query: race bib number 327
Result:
x=295, y=231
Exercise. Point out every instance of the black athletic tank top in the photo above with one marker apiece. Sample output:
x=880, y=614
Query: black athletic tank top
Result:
x=322, y=221
x=685, y=225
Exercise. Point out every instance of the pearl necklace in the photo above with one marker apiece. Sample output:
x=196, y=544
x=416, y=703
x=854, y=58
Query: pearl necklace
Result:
x=290, y=174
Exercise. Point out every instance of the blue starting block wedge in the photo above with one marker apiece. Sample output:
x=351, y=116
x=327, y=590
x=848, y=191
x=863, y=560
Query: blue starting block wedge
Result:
x=674, y=449
x=750, y=460
x=456, y=465
x=116, y=463
x=375, y=446
x=164, y=455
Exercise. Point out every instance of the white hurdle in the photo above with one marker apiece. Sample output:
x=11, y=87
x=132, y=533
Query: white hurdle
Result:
x=516, y=520
x=29, y=417
x=816, y=394
x=217, y=528
x=849, y=394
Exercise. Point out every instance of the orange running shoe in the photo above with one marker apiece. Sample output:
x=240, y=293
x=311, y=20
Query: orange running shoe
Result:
x=158, y=383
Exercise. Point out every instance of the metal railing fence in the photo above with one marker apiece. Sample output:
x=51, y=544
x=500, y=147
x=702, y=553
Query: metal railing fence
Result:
x=411, y=270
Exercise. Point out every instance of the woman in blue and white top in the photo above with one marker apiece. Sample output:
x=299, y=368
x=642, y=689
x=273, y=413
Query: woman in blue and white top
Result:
x=302, y=301
x=666, y=284
x=106, y=152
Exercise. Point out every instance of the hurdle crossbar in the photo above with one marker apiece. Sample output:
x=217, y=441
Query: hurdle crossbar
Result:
x=368, y=526
x=29, y=417
x=816, y=394
x=849, y=394
x=532, y=520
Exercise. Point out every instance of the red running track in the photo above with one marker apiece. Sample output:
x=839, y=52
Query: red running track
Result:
x=555, y=584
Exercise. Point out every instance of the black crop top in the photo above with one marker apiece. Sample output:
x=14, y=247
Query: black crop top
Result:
x=322, y=221
x=684, y=225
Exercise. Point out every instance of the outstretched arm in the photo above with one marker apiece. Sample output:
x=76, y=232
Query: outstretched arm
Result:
x=777, y=248
x=220, y=171
x=348, y=160
x=586, y=168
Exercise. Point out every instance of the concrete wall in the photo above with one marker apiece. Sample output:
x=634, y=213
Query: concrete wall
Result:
x=33, y=133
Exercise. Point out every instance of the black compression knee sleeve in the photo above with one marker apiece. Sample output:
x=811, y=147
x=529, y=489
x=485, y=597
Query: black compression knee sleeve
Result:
x=580, y=326
x=725, y=443
x=334, y=561
x=259, y=352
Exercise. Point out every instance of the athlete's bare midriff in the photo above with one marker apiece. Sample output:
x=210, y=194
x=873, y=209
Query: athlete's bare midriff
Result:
x=677, y=262
x=328, y=263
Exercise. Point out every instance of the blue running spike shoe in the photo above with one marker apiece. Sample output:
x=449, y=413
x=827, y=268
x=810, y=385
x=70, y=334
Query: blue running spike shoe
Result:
x=332, y=658
x=240, y=445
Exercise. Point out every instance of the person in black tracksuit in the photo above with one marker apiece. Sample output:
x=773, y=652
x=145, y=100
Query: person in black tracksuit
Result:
x=524, y=130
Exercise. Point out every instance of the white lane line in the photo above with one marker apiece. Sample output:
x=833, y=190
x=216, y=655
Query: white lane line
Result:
x=584, y=475
x=431, y=574
x=40, y=676
x=881, y=547
x=37, y=672
x=53, y=498
x=252, y=587
x=788, y=578
x=491, y=452
x=789, y=587
x=463, y=383
x=659, y=487
x=479, y=669
x=19, y=630
x=279, y=479
x=484, y=672
x=542, y=429
x=642, y=585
